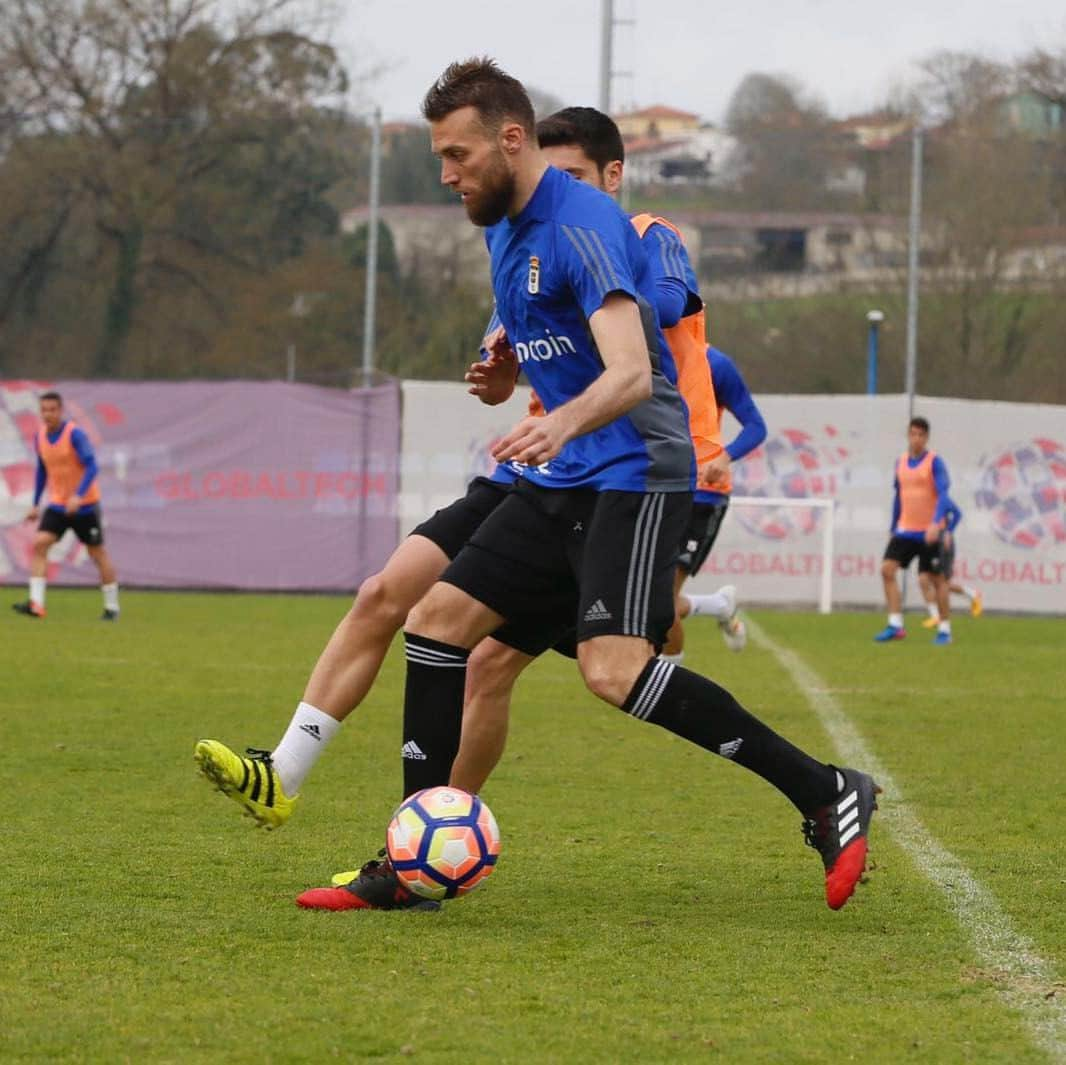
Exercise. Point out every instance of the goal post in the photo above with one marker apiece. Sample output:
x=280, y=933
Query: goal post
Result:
x=827, y=504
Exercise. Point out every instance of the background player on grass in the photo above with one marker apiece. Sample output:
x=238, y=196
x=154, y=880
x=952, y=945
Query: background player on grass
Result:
x=67, y=473
x=919, y=508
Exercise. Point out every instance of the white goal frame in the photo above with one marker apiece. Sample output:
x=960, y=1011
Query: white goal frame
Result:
x=826, y=503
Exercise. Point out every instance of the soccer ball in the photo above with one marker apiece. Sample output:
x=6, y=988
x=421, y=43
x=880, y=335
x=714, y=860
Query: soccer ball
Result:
x=442, y=842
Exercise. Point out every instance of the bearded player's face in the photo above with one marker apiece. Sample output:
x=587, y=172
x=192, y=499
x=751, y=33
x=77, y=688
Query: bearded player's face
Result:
x=473, y=164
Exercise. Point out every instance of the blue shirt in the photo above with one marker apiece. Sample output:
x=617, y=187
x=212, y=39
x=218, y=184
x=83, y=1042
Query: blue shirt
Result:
x=553, y=266
x=84, y=450
x=952, y=513
x=942, y=483
x=677, y=292
x=731, y=393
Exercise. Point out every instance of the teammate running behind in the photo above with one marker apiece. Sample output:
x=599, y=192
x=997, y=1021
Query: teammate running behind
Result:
x=732, y=394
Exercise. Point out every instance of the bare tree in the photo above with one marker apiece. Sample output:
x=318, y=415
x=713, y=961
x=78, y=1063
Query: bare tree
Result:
x=126, y=107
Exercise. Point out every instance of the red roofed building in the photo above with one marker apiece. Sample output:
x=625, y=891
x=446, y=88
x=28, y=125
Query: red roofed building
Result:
x=656, y=122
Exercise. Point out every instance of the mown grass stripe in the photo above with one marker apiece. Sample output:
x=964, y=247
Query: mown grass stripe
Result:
x=1023, y=978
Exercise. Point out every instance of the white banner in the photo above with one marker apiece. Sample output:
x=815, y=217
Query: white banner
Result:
x=1007, y=463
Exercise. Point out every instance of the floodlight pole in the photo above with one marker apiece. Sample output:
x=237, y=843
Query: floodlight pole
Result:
x=913, y=252
x=606, y=50
x=370, y=305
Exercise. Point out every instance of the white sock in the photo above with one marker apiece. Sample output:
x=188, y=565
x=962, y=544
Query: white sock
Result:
x=969, y=591
x=676, y=659
x=37, y=586
x=714, y=605
x=305, y=739
x=895, y=620
x=934, y=611
x=110, y=593
x=944, y=626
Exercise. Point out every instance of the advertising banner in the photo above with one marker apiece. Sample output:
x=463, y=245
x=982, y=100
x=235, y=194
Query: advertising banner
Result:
x=1007, y=463
x=250, y=485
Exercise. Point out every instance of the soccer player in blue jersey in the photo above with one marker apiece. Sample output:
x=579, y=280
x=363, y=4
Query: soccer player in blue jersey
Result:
x=605, y=479
x=919, y=505
x=67, y=472
x=588, y=145
x=732, y=394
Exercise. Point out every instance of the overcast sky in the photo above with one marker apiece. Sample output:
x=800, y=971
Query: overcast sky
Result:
x=689, y=54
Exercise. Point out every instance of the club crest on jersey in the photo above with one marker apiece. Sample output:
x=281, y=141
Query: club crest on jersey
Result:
x=533, y=284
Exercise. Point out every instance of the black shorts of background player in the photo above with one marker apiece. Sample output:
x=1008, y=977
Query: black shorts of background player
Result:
x=86, y=524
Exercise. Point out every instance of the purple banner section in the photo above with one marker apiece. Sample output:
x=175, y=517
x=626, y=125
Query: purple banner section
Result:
x=250, y=485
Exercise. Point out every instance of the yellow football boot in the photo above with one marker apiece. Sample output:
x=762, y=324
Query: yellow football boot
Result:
x=252, y=781
x=930, y=622
x=977, y=606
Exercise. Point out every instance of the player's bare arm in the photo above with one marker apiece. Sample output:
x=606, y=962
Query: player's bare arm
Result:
x=625, y=382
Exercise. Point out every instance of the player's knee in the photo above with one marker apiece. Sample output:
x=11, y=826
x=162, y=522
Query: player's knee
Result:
x=888, y=570
x=604, y=680
x=493, y=668
x=428, y=615
x=377, y=600
x=41, y=545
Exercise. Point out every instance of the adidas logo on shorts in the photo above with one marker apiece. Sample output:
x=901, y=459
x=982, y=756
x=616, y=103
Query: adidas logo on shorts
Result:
x=598, y=612
x=727, y=750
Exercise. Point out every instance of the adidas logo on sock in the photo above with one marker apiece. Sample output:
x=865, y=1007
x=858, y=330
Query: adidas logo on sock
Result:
x=598, y=612
x=727, y=750
x=411, y=750
x=312, y=730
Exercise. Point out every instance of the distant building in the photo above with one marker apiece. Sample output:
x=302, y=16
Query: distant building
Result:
x=656, y=122
x=861, y=139
x=1033, y=113
x=702, y=156
x=434, y=241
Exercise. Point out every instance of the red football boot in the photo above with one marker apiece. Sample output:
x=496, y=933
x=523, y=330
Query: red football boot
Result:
x=838, y=832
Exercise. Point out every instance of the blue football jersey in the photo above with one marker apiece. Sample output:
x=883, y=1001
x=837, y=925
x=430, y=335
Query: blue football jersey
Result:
x=553, y=265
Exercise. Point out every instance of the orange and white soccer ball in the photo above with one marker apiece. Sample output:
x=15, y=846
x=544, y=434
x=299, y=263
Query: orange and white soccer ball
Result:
x=442, y=842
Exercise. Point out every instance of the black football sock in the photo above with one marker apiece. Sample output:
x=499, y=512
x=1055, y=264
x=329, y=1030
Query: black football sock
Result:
x=432, y=711
x=698, y=710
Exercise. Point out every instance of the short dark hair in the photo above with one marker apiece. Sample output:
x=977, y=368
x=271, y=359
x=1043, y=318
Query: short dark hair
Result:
x=50, y=395
x=919, y=423
x=586, y=128
x=481, y=84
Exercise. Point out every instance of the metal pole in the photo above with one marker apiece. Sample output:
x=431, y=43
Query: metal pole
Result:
x=606, y=58
x=369, y=324
x=912, y=267
x=875, y=318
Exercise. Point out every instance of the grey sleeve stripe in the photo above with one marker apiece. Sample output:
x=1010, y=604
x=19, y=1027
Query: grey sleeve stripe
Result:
x=597, y=241
x=590, y=265
x=670, y=251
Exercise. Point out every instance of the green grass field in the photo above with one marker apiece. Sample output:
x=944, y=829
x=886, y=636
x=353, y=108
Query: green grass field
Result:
x=652, y=903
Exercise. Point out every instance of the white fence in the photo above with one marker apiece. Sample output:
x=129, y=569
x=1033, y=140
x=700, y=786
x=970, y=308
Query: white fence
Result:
x=1007, y=463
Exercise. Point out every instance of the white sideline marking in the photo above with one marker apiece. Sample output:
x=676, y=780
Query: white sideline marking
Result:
x=1024, y=980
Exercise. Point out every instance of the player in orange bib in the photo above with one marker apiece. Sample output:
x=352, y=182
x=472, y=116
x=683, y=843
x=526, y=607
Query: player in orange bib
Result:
x=66, y=466
x=919, y=516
